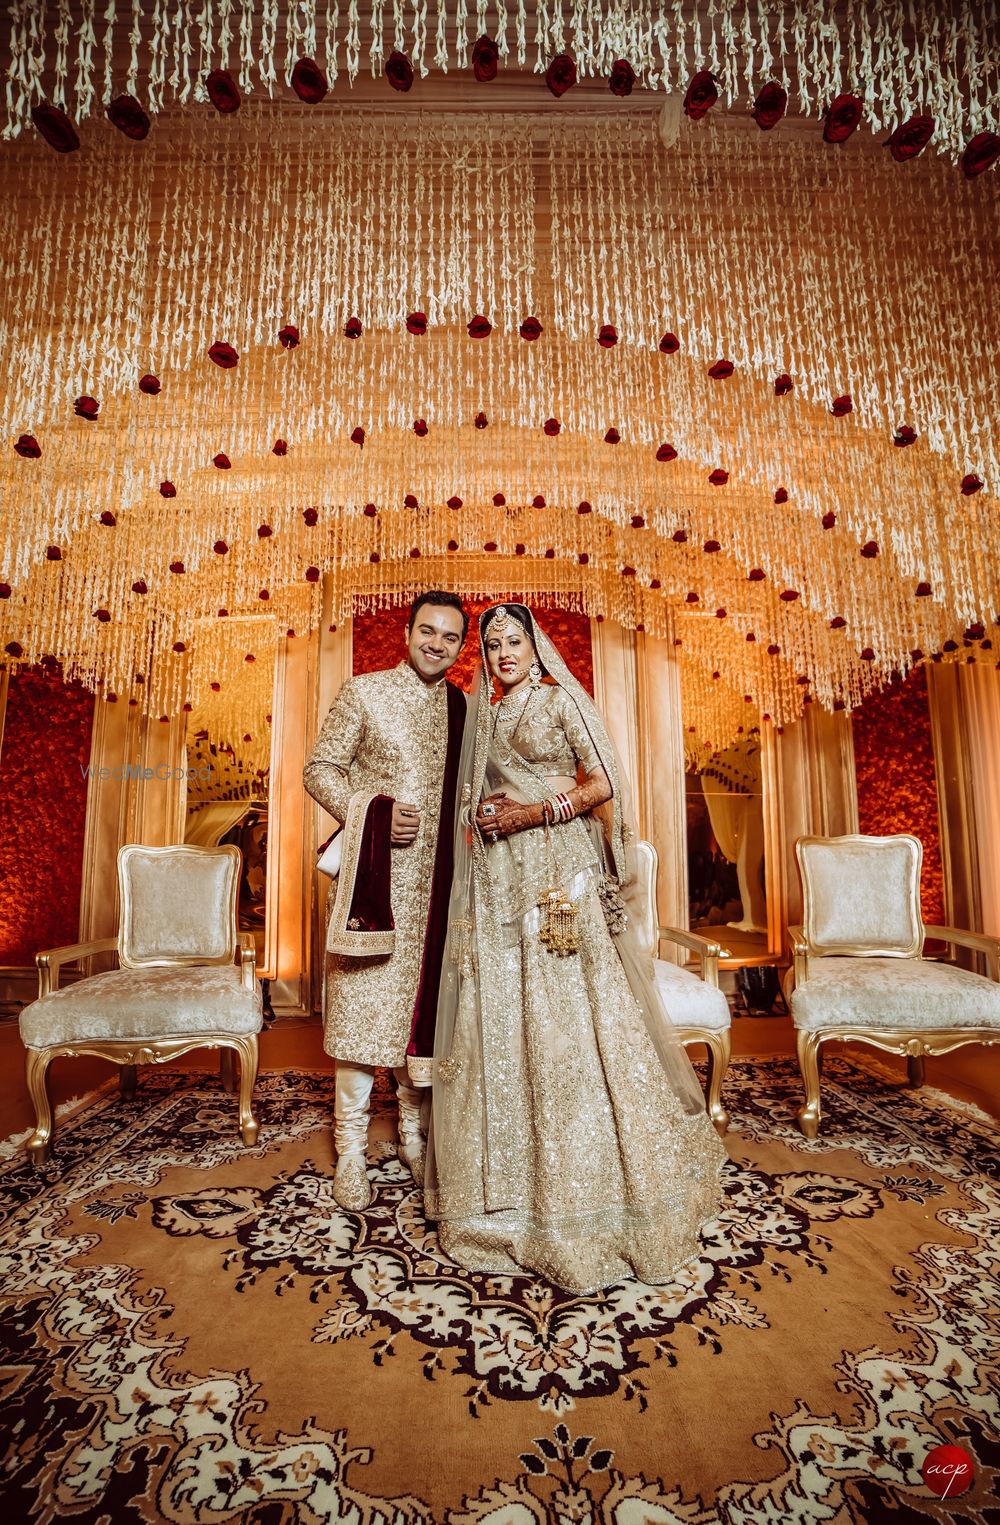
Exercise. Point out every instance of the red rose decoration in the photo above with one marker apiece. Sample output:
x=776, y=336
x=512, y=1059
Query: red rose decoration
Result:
x=979, y=154
x=223, y=354
x=4, y=590
x=838, y=622
x=789, y=595
x=370, y=511
x=654, y=583
x=311, y=516
x=264, y=532
x=560, y=76
x=626, y=571
x=584, y=508
x=399, y=71
x=680, y=537
x=829, y=520
x=87, y=407
x=552, y=426
x=781, y=496
x=910, y=138
x=415, y=552
x=867, y=654
x=869, y=549
x=782, y=385
x=419, y=427
x=669, y=344
x=904, y=436
x=490, y=545
x=416, y=323
x=666, y=453
x=104, y=615
x=612, y=437
x=358, y=437
x=14, y=649
x=353, y=329
x=770, y=106
x=179, y=646
x=608, y=336
x=711, y=546
x=841, y=406
x=168, y=490
x=221, y=461
x=530, y=329
x=538, y=501
x=481, y=421
x=223, y=92
x=177, y=567
x=692, y=598
x=721, y=370
x=773, y=649
x=454, y=502
x=583, y=558
x=971, y=484
x=288, y=337
x=56, y=128
x=149, y=384
x=139, y=587
x=518, y=549
x=499, y=500
x=756, y=574
x=27, y=446
x=701, y=95
x=719, y=478
x=220, y=548
x=638, y=522
x=125, y=113
x=453, y=545
x=280, y=447
x=720, y=614
x=842, y=118
x=108, y=518
x=480, y=327
x=485, y=58
x=621, y=80
x=312, y=574
x=309, y=81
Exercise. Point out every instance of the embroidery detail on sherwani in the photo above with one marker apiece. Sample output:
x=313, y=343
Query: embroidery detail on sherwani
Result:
x=341, y=936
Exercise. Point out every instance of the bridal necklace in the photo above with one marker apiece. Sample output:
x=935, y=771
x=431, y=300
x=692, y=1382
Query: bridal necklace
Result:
x=510, y=711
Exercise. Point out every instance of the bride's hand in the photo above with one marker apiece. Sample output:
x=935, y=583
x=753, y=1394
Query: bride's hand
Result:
x=500, y=816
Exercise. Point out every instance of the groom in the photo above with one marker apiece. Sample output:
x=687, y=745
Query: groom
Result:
x=385, y=764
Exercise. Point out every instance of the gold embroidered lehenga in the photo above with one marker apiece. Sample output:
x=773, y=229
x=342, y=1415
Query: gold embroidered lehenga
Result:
x=569, y=1136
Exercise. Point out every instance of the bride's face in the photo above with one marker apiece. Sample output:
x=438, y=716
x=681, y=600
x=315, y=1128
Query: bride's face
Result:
x=510, y=655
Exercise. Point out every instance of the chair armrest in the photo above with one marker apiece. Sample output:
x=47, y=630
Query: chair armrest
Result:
x=981, y=942
x=52, y=959
x=800, y=954
x=248, y=960
x=708, y=952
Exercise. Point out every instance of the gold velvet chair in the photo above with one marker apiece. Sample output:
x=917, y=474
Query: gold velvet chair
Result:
x=859, y=971
x=695, y=1005
x=177, y=986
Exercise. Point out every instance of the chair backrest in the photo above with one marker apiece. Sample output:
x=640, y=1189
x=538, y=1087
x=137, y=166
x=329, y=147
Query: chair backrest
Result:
x=647, y=864
x=861, y=895
x=178, y=905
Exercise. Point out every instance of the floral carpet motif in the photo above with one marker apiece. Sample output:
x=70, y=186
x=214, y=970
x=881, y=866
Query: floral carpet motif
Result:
x=193, y=1331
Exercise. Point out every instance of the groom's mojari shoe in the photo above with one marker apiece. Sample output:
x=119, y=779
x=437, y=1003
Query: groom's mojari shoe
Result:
x=351, y=1187
x=413, y=1155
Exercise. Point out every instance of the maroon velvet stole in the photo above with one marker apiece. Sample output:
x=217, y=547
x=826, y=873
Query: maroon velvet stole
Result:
x=425, y=1007
x=371, y=902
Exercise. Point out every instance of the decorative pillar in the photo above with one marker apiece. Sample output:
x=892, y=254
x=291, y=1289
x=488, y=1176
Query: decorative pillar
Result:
x=616, y=693
x=335, y=664
x=290, y=869
x=980, y=690
x=809, y=790
x=952, y=741
x=661, y=750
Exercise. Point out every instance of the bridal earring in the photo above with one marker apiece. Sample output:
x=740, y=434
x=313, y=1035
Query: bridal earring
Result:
x=535, y=673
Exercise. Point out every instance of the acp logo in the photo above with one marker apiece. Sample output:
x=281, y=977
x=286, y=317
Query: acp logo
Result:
x=948, y=1471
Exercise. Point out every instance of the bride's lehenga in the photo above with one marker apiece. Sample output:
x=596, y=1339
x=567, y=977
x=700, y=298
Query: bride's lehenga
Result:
x=569, y=1132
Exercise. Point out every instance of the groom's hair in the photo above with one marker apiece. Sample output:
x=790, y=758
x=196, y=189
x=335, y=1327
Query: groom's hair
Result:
x=438, y=596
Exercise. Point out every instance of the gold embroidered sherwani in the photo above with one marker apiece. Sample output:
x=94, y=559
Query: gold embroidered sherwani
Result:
x=386, y=733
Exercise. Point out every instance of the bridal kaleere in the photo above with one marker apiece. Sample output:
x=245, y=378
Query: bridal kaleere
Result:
x=569, y=1134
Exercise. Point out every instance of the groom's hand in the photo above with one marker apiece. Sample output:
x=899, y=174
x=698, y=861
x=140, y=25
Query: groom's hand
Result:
x=405, y=824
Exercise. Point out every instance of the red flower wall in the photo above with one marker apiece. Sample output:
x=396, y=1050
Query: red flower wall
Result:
x=897, y=787
x=380, y=641
x=43, y=806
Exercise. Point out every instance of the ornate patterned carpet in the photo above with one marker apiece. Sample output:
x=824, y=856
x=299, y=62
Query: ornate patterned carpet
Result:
x=193, y=1332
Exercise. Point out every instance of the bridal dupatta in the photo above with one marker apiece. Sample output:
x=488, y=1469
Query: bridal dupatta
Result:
x=493, y=902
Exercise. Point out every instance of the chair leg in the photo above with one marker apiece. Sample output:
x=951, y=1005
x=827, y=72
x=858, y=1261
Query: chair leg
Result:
x=36, y=1074
x=808, y=1118
x=248, y=1052
x=127, y=1082
x=227, y=1069
x=719, y=1047
x=915, y=1069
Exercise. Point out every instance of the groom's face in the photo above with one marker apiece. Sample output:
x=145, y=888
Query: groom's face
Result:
x=434, y=640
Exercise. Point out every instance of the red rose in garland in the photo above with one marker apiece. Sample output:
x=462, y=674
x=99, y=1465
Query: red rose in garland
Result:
x=608, y=336
x=979, y=154
x=770, y=106
x=53, y=553
x=223, y=92
x=168, y=490
x=701, y=95
x=139, y=586
x=223, y=355
x=584, y=508
x=870, y=550
x=108, y=518
x=4, y=590
x=666, y=453
x=14, y=649
x=789, y=595
x=399, y=72
x=552, y=427
x=829, y=520
x=125, y=113
x=721, y=370
x=971, y=484
x=352, y=328
x=419, y=428
x=280, y=447
x=55, y=127
x=530, y=329
x=905, y=435
x=538, y=501
x=264, y=532
x=612, y=437
x=416, y=323
x=149, y=384
x=312, y=574
x=841, y=406
x=221, y=461
x=28, y=447
x=177, y=567
x=480, y=327
x=560, y=76
x=481, y=421
x=782, y=384
x=499, y=500
x=311, y=516
x=842, y=118
x=87, y=407
x=756, y=574
x=358, y=437
x=454, y=503
x=621, y=80
x=711, y=546
x=781, y=496
x=719, y=478
x=910, y=138
x=485, y=59
x=288, y=337
x=309, y=81
x=669, y=344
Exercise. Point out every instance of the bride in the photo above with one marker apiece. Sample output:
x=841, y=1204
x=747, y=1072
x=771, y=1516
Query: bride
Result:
x=568, y=1130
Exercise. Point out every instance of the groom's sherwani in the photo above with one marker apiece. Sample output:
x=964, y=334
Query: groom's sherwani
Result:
x=388, y=736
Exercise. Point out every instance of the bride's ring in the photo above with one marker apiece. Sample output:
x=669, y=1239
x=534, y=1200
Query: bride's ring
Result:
x=489, y=810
